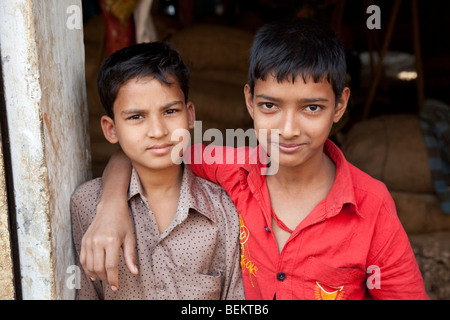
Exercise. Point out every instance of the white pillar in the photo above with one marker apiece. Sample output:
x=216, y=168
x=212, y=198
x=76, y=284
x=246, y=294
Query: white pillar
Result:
x=7, y=290
x=42, y=54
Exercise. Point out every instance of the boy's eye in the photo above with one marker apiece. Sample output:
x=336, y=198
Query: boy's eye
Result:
x=135, y=117
x=171, y=111
x=313, y=108
x=267, y=105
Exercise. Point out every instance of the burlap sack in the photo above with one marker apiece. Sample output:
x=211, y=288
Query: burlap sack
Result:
x=218, y=60
x=391, y=148
x=213, y=47
x=222, y=103
x=420, y=212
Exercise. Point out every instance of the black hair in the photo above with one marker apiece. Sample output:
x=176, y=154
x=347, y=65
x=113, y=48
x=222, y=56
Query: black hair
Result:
x=154, y=59
x=296, y=47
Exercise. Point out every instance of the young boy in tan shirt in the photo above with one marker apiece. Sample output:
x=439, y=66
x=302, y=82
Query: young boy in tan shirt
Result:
x=186, y=228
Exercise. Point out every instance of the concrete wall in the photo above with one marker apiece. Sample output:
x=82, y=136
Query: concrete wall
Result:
x=43, y=72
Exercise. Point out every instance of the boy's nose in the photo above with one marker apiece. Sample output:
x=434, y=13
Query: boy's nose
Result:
x=290, y=127
x=157, y=129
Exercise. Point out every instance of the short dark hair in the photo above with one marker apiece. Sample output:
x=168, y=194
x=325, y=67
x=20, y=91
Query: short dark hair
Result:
x=296, y=47
x=154, y=59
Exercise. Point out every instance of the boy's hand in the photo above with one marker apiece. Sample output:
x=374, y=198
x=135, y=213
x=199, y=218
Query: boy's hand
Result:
x=110, y=230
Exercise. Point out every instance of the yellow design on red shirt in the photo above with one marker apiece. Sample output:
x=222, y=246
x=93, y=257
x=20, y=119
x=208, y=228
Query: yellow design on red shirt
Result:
x=246, y=260
x=326, y=292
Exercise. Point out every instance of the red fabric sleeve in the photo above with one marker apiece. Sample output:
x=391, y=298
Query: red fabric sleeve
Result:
x=393, y=258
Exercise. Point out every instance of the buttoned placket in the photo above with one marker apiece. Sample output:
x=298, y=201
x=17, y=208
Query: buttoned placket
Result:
x=256, y=189
x=280, y=273
x=159, y=256
x=157, y=251
x=160, y=286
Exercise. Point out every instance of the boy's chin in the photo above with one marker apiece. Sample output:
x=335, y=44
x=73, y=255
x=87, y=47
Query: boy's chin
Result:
x=156, y=165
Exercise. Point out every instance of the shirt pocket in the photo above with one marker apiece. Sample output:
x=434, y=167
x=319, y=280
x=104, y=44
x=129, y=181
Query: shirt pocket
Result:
x=324, y=282
x=197, y=286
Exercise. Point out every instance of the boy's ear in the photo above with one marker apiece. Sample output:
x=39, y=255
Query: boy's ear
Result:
x=109, y=129
x=341, y=105
x=248, y=100
x=191, y=114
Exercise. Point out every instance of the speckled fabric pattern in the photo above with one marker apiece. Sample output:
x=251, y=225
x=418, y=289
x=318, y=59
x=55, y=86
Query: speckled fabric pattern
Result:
x=196, y=257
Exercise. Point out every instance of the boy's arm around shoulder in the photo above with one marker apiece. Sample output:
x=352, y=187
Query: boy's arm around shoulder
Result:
x=391, y=260
x=217, y=164
x=227, y=216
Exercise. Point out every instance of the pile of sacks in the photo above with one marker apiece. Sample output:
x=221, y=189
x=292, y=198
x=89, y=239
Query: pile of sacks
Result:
x=391, y=148
x=217, y=57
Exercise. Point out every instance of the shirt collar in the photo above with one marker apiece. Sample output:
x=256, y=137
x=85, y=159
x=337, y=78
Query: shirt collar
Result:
x=193, y=194
x=342, y=192
x=251, y=171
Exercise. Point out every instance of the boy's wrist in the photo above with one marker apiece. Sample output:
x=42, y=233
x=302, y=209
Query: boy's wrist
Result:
x=110, y=205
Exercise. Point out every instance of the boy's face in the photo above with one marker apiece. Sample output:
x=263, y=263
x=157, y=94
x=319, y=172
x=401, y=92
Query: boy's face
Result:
x=146, y=113
x=302, y=112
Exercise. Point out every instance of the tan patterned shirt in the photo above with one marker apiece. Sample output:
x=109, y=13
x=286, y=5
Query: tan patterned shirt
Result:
x=196, y=257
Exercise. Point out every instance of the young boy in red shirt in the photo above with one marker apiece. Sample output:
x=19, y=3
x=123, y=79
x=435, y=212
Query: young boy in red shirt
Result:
x=319, y=228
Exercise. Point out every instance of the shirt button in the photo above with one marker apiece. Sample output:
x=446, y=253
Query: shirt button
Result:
x=281, y=276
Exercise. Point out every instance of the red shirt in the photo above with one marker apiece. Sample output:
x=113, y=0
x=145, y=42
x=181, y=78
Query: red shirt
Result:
x=350, y=246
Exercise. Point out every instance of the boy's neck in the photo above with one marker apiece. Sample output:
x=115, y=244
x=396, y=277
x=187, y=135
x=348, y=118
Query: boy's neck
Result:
x=165, y=182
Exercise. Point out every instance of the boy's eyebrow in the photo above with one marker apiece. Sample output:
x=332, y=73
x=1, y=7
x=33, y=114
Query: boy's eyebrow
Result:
x=312, y=100
x=132, y=111
x=163, y=108
x=303, y=100
x=263, y=96
x=171, y=104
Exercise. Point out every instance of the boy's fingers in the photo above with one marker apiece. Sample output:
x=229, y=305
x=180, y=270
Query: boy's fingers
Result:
x=99, y=264
x=130, y=254
x=89, y=264
x=112, y=266
x=83, y=259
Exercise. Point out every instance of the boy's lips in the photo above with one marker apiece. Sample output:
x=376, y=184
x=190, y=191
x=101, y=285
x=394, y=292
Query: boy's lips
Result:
x=289, y=147
x=160, y=148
